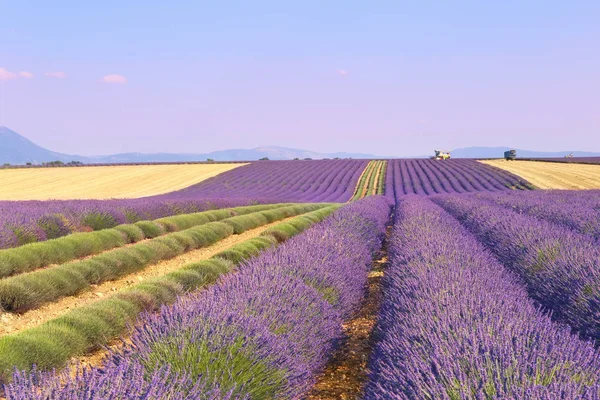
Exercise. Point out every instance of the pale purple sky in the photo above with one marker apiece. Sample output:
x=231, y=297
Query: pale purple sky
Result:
x=384, y=77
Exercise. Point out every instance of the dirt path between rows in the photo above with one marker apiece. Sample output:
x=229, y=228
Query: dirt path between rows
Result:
x=345, y=376
x=12, y=323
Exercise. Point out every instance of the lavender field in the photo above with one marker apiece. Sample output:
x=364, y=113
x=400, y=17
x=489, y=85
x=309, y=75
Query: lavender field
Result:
x=312, y=200
x=487, y=290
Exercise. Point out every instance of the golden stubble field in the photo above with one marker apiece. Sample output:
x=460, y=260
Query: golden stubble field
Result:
x=550, y=175
x=103, y=182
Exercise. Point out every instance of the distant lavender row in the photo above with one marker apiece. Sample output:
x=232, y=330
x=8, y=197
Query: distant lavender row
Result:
x=427, y=177
x=260, y=333
x=577, y=210
x=560, y=267
x=283, y=181
x=455, y=324
x=24, y=222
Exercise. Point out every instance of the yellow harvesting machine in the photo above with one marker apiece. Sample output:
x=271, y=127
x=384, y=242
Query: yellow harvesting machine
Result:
x=441, y=155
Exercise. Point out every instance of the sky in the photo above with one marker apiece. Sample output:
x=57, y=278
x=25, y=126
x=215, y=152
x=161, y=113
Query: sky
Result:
x=383, y=77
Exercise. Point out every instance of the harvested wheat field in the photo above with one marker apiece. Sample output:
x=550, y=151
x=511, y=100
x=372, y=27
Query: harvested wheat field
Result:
x=103, y=182
x=548, y=175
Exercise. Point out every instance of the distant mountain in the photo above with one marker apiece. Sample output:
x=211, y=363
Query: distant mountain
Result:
x=16, y=149
x=271, y=152
x=498, y=152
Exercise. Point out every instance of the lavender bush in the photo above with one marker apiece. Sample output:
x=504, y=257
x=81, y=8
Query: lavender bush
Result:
x=127, y=380
x=455, y=324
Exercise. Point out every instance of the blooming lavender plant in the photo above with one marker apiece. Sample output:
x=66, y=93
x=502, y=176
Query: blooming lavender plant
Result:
x=126, y=380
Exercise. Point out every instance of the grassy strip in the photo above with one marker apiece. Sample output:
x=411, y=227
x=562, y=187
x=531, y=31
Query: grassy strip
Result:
x=285, y=230
x=77, y=245
x=81, y=330
x=364, y=179
x=27, y=291
x=361, y=182
x=372, y=178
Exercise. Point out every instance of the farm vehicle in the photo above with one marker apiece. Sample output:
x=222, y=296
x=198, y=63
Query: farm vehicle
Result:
x=510, y=155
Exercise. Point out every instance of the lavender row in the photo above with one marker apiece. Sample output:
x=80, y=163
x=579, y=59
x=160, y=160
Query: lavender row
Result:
x=261, y=333
x=273, y=181
x=427, y=177
x=575, y=210
x=560, y=267
x=23, y=222
x=455, y=324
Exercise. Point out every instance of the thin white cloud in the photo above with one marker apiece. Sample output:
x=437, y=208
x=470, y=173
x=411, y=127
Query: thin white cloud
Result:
x=342, y=72
x=114, y=78
x=6, y=75
x=25, y=74
x=59, y=75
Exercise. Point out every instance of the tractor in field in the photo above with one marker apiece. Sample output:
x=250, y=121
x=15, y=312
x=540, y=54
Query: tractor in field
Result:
x=441, y=155
x=510, y=155
x=570, y=155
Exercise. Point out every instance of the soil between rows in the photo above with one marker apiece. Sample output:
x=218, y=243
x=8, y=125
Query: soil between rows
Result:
x=345, y=375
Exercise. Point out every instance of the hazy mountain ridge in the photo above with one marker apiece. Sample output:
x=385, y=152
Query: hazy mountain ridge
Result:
x=16, y=149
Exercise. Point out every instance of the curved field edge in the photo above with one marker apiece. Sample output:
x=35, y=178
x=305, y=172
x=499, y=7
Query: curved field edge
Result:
x=545, y=175
x=104, y=182
x=84, y=329
x=32, y=256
